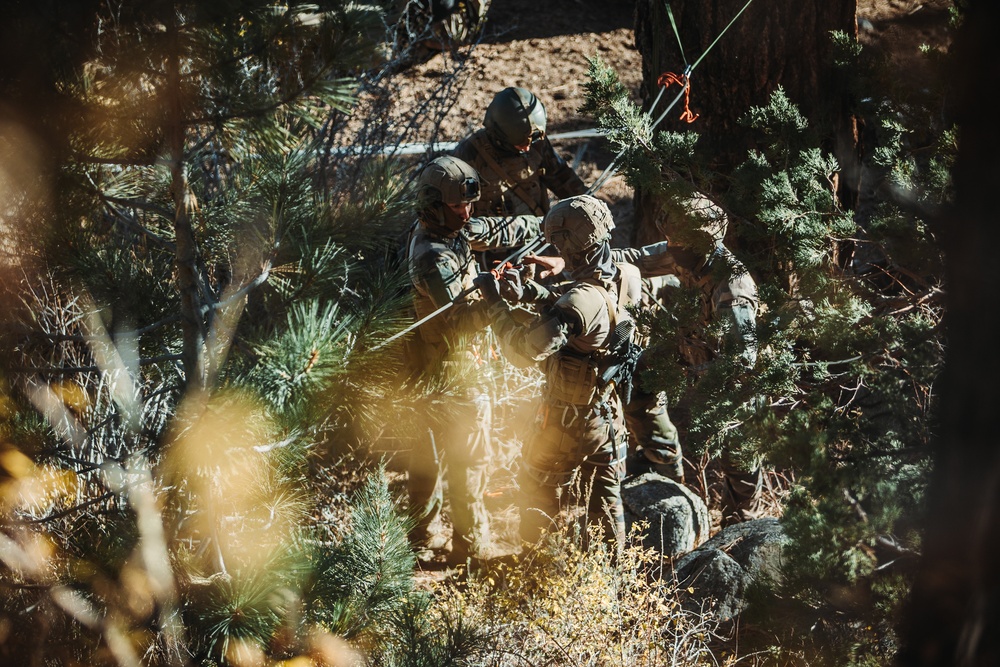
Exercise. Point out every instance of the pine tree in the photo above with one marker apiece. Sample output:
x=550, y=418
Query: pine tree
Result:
x=196, y=268
x=850, y=337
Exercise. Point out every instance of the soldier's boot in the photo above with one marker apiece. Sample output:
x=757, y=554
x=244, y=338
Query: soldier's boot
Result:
x=429, y=542
x=655, y=435
x=742, y=496
x=464, y=551
x=666, y=459
x=428, y=537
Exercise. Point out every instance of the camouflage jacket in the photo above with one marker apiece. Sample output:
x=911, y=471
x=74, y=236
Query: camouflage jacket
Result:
x=441, y=268
x=518, y=184
x=726, y=291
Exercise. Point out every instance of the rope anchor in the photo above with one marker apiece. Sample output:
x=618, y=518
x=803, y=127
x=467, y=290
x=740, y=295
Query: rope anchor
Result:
x=666, y=79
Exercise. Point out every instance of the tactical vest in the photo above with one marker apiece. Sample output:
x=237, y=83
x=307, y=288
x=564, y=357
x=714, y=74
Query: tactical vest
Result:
x=510, y=184
x=573, y=373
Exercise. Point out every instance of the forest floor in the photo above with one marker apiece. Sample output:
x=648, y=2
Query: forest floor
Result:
x=544, y=46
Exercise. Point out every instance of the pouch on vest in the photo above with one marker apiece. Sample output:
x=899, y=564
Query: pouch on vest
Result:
x=574, y=379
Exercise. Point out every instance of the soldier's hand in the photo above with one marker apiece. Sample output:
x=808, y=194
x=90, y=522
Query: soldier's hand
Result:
x=511, y=287
x=488, y=286
x=549, y=265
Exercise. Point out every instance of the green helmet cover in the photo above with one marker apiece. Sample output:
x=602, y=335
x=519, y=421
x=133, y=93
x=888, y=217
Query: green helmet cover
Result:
x=515, y=117
x=448, y=180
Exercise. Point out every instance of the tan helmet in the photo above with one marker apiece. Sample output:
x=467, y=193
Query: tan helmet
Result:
x=708, y=217
x=576, y=224
x=692, y=220
x=448, y=180
x=514, y=118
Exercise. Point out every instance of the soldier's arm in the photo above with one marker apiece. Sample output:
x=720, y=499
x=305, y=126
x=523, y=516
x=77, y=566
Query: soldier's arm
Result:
x=490, y=233
x=537, y=293
x=736, y=300
x=549, y=265
x=648, y=257
x=558, y=176
x=538, y=339
x=653, y=260
x=440, y=277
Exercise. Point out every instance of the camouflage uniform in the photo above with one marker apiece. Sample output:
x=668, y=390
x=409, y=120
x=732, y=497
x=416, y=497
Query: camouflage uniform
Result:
x=516, y=183
x=579, y=441
x=727, y=291
x=441, y=265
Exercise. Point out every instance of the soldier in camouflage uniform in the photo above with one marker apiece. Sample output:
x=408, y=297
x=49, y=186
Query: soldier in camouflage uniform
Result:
x=441, y=263
x=727, y=291
x=580, y=439
x=702, y=261
x=516, y=162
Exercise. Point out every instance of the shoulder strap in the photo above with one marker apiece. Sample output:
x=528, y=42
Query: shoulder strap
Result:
x=612, y=307
x=502, y=174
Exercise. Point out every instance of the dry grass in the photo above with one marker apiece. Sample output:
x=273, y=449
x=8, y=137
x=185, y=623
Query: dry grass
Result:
x=561, y=605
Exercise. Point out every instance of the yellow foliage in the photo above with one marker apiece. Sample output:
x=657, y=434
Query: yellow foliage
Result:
x=561, y=605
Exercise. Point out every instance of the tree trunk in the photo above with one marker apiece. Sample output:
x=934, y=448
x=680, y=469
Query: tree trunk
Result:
x=773, y=43
x=954, y=611
x=186, y=258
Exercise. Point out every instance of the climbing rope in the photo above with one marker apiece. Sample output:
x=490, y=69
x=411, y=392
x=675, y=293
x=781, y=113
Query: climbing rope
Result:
x=664, y=81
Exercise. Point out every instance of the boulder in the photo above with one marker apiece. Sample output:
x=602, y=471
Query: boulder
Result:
x=717, y=574
x=678, y=519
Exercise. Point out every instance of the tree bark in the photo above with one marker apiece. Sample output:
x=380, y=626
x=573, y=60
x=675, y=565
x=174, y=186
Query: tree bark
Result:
x=186, y=257
x=952, y=614
x=774, y=43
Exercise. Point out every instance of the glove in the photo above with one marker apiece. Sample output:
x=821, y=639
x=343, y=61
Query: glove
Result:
x=488, y=286
x=511, y=288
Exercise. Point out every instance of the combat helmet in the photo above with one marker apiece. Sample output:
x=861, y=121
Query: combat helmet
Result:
x=695, y=226
x=575, y=225
x=514, y=118
x=445, y=181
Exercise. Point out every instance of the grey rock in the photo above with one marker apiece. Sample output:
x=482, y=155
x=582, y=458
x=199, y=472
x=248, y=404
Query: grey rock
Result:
x=678, y=519
x=717, y=574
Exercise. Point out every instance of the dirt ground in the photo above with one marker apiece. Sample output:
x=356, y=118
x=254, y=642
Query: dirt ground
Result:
x=543, y=45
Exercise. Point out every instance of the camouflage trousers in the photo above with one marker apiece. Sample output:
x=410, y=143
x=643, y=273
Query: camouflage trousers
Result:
x=457, y=455
x=574, y=456
x=653, y=435
x=743, y=490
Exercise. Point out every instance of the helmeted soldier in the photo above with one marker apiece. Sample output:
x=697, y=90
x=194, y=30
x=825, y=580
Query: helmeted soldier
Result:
x=579, y=337
x=516, y=162
x=442, y=266
x=698, y=258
